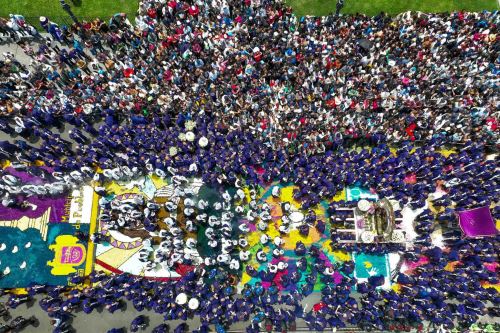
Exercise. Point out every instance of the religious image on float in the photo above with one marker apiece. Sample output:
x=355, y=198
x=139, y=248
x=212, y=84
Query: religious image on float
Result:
x=375, y=220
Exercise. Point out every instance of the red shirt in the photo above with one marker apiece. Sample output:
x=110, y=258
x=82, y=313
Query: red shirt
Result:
x=167, y=75
x=196, y=48
x=152, y=13
x=492, y=123
x=263, y=124
x=331, y=103
x=193, y=10
x=318, y=306
x=410, y=130
x=127, y=72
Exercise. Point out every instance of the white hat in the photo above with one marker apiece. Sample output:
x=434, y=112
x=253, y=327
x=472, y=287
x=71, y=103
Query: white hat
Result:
x=264, y=239
x=261, y=226
x=234, y=264
x=160, y=173
x=278, y=252
x=242, y=242
x=276, y=191
x=278, y=241
x=282, y=265
x=191, y=243
x=244, y=255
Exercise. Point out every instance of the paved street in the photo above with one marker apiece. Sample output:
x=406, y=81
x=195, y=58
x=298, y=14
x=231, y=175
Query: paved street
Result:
x=102, y=321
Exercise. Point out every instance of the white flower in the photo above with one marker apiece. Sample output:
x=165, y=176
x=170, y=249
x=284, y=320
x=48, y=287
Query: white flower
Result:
x=190, y=136
x=203, y=142
x=172, y=151
x=189, y=125
x=182, y=137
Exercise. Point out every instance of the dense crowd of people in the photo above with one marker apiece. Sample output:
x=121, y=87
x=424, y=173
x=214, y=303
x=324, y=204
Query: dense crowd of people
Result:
x=294, y=82
x=245, y=94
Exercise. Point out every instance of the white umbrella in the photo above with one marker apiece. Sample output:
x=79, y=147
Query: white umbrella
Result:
x=190, y=136
x=193, y=303
x=203, y=142
x=181, y=299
